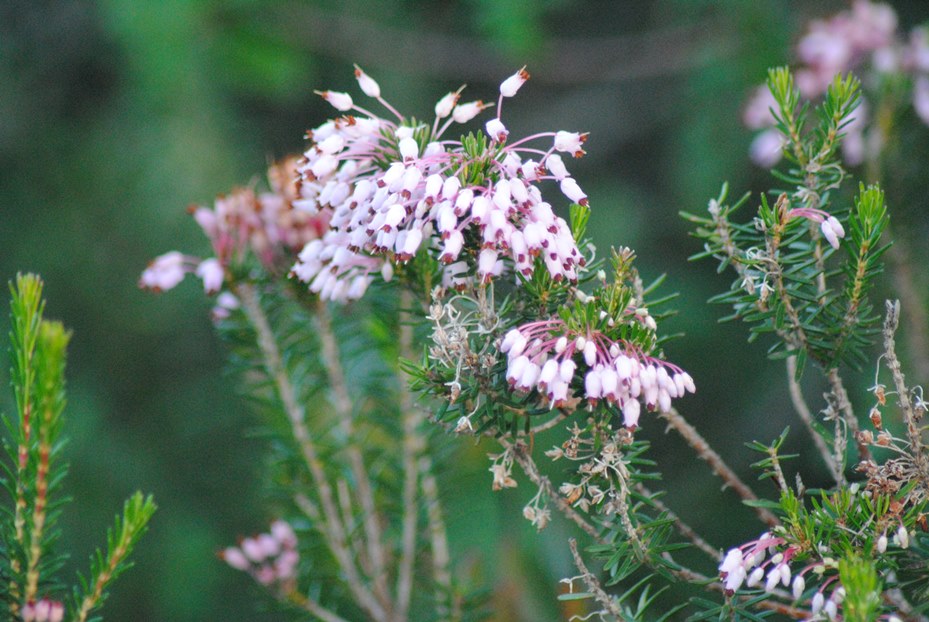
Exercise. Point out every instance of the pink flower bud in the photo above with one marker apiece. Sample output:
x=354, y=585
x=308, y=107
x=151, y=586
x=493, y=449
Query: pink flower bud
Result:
x=511, y=85
x=368, y=86
x=556, y=166
x=817, y=605
x=331, y=145
x=486, y=262
x=453, y=245
x=631, y=411
x=409, y=149
x=212, y=273
x=830, y=233
x=496, y=130
x=549, y=373
x=284, y=533
x=450, y=188
x=339, y=101
x=590, y=353
x=593, y=385
x=465, y=112
x=235, y=558
x=206, y=218
x=571, y=190
x=570, y=142
x=798, y=587
x=164, y=272
x=444, y=106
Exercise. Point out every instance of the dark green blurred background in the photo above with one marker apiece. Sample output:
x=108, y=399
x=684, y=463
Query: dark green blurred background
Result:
x=115, y=115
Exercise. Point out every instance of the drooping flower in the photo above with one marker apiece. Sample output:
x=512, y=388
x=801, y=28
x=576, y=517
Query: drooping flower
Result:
x=830, y=226
x=393, y=188
x=541, y=356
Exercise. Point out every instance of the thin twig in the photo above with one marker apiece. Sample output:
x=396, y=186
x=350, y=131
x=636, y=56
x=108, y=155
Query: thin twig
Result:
x=341, y=401
x=438, y=539
x=413, y=448
x=717, y=464
x=800, y=406
x=593, y=584
x=848, y=413
x=903, y=395
x=331, y=523
x=527, y=464
x=548, y=425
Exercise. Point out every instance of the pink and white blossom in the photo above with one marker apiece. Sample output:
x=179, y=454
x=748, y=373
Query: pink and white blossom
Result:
x=541, y=356
x=387, y=197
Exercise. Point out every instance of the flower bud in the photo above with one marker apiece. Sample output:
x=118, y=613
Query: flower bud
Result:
x=444, y=106
x=409, y=149
x=511, y=85
x=571, y=190
x=496, y=130
x=368, y=86
x=798, y=586
x=570, y=142
x=465, y=112
x=339, y=101
x=556, y=166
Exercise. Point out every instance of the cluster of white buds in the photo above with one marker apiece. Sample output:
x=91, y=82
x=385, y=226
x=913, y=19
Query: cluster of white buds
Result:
x=830, y=226
x=541, y=354
x=394, y=187
x=44, y=610
x=271, y=558
x=240, y=223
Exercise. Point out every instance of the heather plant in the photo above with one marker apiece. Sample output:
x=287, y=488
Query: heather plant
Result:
x=400, y=288
x=32, y=588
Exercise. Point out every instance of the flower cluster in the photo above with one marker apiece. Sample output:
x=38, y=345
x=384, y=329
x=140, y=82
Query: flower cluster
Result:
x=766, y=561
x=863, y=39
x=271, y=558
x=44, y=610
x=243, y=222
x=392, y=188
x=541, y=354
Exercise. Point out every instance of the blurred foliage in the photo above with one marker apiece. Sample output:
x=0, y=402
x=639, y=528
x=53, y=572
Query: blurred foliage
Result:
x=115, y=114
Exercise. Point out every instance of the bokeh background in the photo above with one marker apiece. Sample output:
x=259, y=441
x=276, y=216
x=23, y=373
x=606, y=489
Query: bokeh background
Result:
x=115, y=115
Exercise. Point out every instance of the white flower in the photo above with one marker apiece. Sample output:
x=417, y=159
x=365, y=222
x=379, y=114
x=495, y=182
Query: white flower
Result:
x=444, y=106
x=212, y=273
x=570, y=142
x=571, y=190
x=164, y=272
x=496, y=130
x=368, y=86
x=799, y=585
x=465, y=112
x=339, y=101
x=832, y=231
x=511, y=85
